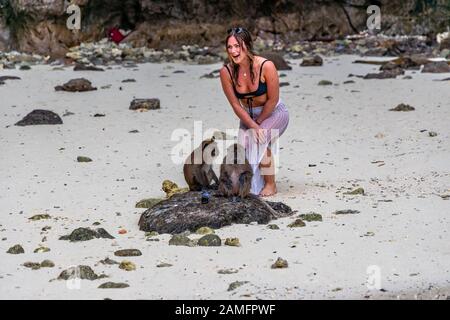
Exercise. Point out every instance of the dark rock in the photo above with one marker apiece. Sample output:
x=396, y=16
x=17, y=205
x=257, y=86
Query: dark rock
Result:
x=85, y=234
x=181, y=240
x=277, y=59
x=355, y=192
x=24, y=67
x=32, y=265
x=403, y=107
x=17, y=249
x=280, y=264
x=179, y=71
x=39, y=117
x=39, y=217
x=83, y=159
x=315, y=61
x=311, y=217
x=297, y=224
x=113, y=285
x=232, y=242
x=47, y=264
x=128, y=253
x=385, y=74
x=210, y=240
x=325, y=83
x=108, y=261
x=76, y=85
x=349, y=81
x=4, y=78
x=348, y=211
x=273, y=227
x=148, y=104
x=164, y=265
x=80, y=272
x=128, y=80
x=236, y=284
x=436, y=67
x=84, y=67
x=184, y=211
x=280, y=207
x=97, y=115
x=284, y=84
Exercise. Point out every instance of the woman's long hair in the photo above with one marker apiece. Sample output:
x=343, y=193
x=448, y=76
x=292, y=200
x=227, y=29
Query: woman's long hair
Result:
x=242, y=36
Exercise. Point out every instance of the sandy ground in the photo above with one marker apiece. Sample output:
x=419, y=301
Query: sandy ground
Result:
x=401, y=232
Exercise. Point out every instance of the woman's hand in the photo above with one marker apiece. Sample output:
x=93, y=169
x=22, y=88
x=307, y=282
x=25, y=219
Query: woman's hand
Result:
x=259, y=135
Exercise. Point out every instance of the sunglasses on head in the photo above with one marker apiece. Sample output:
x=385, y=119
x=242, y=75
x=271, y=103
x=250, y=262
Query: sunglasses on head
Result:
x=235, y=30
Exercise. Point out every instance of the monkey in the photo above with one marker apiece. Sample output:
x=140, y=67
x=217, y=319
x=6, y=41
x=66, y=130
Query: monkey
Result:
x=235, y=173
x=197, y=169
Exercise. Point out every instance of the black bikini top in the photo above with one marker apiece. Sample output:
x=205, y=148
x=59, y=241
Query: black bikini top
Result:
x=262, y=86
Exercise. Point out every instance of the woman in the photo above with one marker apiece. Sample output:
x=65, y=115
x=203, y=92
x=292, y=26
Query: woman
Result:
x=251, y=85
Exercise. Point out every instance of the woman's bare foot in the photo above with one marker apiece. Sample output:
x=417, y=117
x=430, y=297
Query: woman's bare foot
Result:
x=269, y=190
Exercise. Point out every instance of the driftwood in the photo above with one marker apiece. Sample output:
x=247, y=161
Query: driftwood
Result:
x=184, y=211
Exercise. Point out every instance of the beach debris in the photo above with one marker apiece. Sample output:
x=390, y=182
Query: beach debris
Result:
x=32, y=265
x=232, y=242
x=85, y=67
x=17, y=249
x=236, y=284
x=184, y=211
x=83, y=159
x=280, y=263
x=314, y=61
x=41, y=250
x=164, y=265
x=386, y=74
x=148, y=203
x=171, y=188
x=128, y=253
x=37, y=265
x=348, y=211
x=146, y=104
x=40, y=117
x=108, y=261
x=76, y=85
x=228, y=271
x=85, y=234
x=297, y=224
x=113, y=285
x=436, y=67
x=210, y=240
x=355, y=191
x=325, y=83
x=403, y=107
x=81, y=272
x=311, y=216
x=127, y=265
x=40, y=217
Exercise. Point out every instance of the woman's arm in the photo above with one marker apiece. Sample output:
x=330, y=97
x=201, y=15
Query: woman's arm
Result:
x=227, y=86
x=273, y=90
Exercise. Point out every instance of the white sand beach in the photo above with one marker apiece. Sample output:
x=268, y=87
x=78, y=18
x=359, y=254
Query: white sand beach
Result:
x=345, y=130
